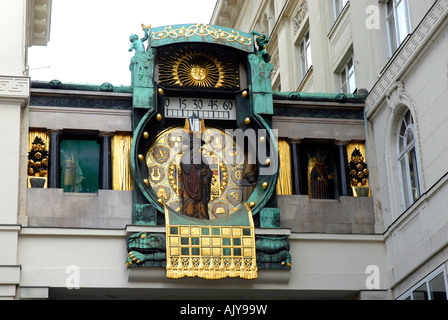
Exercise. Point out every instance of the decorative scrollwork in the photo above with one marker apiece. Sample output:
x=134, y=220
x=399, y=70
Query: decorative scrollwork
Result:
x=203, y=30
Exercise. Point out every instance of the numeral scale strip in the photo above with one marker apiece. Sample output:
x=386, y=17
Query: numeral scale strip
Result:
x=188, y=106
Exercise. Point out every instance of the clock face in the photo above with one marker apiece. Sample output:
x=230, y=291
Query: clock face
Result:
x=163, y=160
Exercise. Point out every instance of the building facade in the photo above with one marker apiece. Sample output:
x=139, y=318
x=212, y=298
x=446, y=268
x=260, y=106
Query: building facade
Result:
x=91, y=202
x=357, y=208
x=24, y=24
x=410, y=175
x=81, y=232
x=394, y=50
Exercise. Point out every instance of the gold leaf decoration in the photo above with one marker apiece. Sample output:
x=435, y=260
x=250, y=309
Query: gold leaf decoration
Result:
x=202, y=30
x=187, y=66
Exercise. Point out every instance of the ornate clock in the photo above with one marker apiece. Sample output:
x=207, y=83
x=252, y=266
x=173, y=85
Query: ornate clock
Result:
x=194, y=88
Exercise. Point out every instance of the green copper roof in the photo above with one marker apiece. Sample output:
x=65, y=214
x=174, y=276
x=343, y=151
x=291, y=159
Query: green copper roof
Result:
x=330, y=97
x=56, y=84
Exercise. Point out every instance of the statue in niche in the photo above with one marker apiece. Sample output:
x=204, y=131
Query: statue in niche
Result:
x=196, y=178
x=319, y=177
x=73, y=177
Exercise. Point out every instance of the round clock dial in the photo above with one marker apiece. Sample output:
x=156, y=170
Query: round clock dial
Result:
x=163, y=160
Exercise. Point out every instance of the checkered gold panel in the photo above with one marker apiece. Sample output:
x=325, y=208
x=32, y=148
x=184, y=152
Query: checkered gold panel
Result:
x=211, y=252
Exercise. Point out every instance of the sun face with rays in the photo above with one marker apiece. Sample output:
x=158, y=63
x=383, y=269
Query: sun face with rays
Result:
x=191, y=67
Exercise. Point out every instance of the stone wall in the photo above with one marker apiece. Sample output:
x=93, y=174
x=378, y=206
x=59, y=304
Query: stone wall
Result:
x=103, y=210
x=113, y=210
x=348, y=215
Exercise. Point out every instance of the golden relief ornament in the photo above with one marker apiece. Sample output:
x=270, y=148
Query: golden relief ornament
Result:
x=38, y=159
x=156, y=174
x=205, y=68
x=358, y=169
x=202, y=30
x=161, y=154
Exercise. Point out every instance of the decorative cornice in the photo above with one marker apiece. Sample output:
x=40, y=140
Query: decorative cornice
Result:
x=393, y=95
x=318, y=114
x=319, y=110
x=81, y=102
x=409, y=50
x=14, y=87
x=15, y=90
x=39, y=17
x=300, y=15
x=227, y=12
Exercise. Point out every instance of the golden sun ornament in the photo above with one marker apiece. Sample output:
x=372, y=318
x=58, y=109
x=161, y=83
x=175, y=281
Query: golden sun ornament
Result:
x=187, y=67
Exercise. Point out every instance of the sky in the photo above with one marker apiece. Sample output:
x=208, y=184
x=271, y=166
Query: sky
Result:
x=89, y=39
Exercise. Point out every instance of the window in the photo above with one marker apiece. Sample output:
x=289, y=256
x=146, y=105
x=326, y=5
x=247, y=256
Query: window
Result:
x=339, y=6
x=407, y=161
x=433, y=287
x=398, y=22
x=348, y=82
x=305, y=55
x=80, y=165
x=265, y=24
x=271, y=17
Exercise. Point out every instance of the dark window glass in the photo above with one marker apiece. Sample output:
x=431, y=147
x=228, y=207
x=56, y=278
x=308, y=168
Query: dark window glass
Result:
x=420, y=293
x=80, y=162
x=437, y=288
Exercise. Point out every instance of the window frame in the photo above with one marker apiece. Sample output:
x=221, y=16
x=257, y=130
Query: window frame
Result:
x=404, y=150
x=392, y=20
x=339, y=6
x=345, y=75
x=305, y=55
x=409, y=295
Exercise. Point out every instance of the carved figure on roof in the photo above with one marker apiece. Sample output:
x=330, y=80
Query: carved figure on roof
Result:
x=142, y=63
x=138, y=44
x=262, y=42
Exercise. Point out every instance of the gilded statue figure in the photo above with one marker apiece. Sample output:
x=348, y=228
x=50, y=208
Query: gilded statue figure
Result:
x=196, y=178
x=319, y=178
